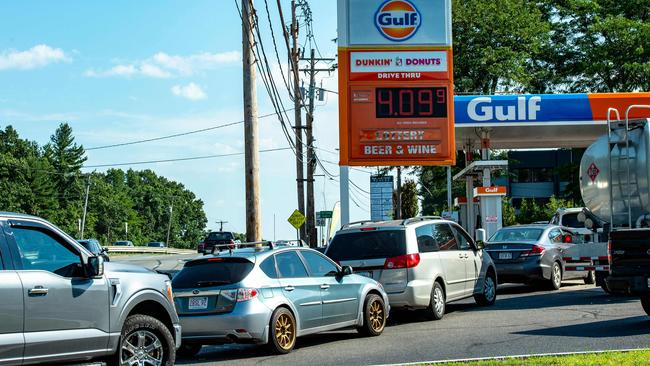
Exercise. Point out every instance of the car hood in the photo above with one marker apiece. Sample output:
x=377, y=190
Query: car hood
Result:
x=114, y=267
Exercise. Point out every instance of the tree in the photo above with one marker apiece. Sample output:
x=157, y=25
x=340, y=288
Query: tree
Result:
x=410, y=199
x=509, y=214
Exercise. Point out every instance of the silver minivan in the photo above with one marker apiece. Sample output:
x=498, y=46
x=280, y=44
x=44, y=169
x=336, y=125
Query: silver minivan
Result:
x=422, y=262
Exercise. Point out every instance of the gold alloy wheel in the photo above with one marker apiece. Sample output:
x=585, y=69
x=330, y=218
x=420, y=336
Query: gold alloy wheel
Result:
x=377, y=319
x=284, y=332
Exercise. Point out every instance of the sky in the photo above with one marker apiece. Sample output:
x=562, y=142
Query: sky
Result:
x=122, y=71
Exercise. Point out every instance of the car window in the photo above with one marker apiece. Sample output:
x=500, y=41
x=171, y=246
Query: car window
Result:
x=517, y=234
x=445, y=237
x=268, y=267
x=212, y=272
x=571, y=220
x=290, y=265
x=318, y=265
x=426, y=241
x=367, y=245
x=463, y=239
x=555, y=236
x=40, y=250
x=220, y=236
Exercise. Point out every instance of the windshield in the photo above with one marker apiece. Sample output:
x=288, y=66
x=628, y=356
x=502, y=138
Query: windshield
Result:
x=212, y=272
x=367, y=245
x=220, y=236
x=517, y=234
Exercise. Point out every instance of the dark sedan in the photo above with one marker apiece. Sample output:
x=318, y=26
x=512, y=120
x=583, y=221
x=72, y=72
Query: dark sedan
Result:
x=532, y=254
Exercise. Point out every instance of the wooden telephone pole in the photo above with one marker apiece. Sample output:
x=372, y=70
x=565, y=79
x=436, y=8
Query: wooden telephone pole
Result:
x=297, y=105
x=251, y=132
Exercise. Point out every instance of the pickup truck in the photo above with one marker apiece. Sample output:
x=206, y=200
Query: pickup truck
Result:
x=62, y=304
x=629, y=252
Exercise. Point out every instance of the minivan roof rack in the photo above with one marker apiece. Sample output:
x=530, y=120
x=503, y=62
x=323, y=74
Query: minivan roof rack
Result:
x=355, y=223
x=253, y=244
x=420, y=218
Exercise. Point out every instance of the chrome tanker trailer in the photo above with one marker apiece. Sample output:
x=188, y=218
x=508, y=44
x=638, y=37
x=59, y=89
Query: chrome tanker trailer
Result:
x=615, y=187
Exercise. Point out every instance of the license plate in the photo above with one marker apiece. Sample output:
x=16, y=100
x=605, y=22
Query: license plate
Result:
x=507, y=255
x=198, y=303
x=365, y=274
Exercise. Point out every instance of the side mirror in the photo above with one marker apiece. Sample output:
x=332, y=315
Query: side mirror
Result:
x=346, y=271
x=480, y=237
x=95, y=266
x=104, y=250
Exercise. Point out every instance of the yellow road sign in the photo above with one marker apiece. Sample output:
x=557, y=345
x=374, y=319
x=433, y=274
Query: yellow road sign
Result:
x=297, y=219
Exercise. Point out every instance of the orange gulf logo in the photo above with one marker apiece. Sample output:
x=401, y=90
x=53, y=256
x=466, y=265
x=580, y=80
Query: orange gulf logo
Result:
x=398, y=20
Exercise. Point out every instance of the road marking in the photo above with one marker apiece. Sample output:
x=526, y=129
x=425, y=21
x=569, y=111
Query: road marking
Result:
x=461, y=360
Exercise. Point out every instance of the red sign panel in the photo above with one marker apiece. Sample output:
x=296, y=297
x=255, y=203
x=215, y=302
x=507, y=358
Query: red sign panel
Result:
x=593, y=172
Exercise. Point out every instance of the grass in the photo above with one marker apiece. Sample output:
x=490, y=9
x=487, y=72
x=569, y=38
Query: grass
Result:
x=632, y=358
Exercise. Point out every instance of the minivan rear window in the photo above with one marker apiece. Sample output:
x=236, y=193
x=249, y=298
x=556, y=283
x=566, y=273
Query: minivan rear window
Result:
x=367, y=245
x=211, y=272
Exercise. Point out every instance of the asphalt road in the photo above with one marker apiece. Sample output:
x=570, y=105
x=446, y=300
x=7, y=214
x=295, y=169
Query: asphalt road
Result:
x=523, y=321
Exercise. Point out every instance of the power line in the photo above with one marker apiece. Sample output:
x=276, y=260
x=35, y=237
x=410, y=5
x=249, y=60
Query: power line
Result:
x=178, y=159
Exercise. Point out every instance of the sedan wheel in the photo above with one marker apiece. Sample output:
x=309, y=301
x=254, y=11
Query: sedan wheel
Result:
x=283, y=331
x=556, y=277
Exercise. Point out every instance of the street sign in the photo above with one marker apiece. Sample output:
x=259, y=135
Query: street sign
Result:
x=320, y=222
x=297, y=219
x=381, y=197
x=395, y=83
x=325, y=214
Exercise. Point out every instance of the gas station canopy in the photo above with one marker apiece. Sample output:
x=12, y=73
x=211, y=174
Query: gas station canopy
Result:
x=540, y=120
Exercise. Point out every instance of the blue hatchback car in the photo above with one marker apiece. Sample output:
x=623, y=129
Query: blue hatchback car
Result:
x=271, y=295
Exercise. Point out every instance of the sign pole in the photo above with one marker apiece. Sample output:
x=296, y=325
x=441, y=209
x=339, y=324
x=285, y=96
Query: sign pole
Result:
x=344, y=187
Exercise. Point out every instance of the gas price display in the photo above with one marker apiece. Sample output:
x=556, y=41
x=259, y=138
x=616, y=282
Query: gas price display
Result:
x=411, y=102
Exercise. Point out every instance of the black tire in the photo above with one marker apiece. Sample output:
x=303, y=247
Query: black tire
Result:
x=437, y=303
x=645, y=303
x=591, y=278
x=283, y=331
x=555, y=282
x=152, y=329
x=489, y=294
x=188, y=350
x=374, y=316
x=606, y=288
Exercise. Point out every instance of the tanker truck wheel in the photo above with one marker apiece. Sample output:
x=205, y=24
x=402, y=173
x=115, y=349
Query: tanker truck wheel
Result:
x=591, y=278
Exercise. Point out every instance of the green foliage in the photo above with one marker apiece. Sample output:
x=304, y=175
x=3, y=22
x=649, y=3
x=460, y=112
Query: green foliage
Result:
x=48, y=182
x=509, y=214
x=530, y=211
x=409, y=199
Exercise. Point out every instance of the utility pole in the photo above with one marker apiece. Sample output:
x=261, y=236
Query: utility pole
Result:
x=251, y=133
x=169, y=225
x=83, y=219
x=297, y=105
x=221, y=222
x=311, y=156
x=398, y=200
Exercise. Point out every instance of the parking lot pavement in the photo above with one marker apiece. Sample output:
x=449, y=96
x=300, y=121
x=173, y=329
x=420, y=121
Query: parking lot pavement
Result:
x=523, y=321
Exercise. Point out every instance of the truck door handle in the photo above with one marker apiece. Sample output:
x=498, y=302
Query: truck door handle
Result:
x=289, y=288
x=324, y=287
x=38, y=291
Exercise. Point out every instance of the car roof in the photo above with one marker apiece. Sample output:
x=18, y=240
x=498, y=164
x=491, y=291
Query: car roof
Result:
x=392, y=224
x=252, y=254
x=15, y=215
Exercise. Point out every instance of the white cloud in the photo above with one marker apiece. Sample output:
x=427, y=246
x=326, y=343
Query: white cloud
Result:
x=190, y=91
x=163, y=65
x=38, y=56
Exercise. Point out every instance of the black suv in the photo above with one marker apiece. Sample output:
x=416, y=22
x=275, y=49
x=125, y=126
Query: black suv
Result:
x=216, y=238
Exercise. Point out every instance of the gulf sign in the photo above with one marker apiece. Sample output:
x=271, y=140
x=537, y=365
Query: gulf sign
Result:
x=540, y=109
x=398, y=20
x=395, y=83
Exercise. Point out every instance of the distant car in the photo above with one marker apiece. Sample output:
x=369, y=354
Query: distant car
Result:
x=157, y=244
x=271, y=295
x=422, y=262
x=94, y=247
x=123, y=243
x=533, y=254
x=216, y=238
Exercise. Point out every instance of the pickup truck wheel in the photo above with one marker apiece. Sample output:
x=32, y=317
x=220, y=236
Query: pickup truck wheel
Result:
x=145, y=340
x=645, y=302
x=436, y=309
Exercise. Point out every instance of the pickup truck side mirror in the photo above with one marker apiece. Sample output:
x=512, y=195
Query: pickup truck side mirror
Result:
x=104, y=250
x=95, y=266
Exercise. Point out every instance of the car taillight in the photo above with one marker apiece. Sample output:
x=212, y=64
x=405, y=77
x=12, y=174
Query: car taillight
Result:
x=403, y=261
x=535, y=250
x=609, y=252
x=245, y=294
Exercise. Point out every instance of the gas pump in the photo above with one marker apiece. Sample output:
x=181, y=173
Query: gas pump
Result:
x=490, y=208
x=461, y=203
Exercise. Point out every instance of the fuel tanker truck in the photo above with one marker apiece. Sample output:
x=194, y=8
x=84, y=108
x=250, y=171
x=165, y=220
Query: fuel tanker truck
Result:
x=615, y=187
